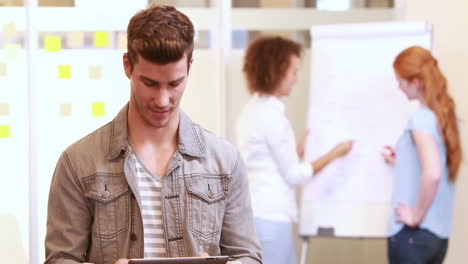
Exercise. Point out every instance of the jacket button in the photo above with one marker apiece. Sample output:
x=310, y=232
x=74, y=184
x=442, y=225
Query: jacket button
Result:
x=105, y=194
x=133, y=237
x=210, y=194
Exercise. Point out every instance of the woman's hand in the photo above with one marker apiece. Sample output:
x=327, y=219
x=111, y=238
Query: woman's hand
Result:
x=389, y=155
x=342, y=148
x=301, y=145
x=407, y=215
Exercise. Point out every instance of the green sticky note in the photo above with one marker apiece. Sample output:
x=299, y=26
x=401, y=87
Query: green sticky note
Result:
x=101, y=39
x=3, y=69
x=95, y=72
x=12, y=50
x=64, y=71
x=53, y=43
x=65, y=109
x=4, y=109
x=9, y=30
x=122, y=40
x=98, y=108
x=76, y=39
x=4, y=131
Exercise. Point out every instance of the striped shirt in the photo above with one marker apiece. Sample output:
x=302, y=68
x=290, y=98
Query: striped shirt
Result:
x=149, y=188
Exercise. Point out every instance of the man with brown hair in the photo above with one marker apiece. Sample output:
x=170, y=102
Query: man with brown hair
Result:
x=151, y=183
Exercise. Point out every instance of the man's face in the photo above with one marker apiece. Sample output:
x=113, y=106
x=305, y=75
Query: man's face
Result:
x=156, y=90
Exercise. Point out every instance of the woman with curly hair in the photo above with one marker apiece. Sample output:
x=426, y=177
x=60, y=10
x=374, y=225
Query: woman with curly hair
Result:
x=266, y=141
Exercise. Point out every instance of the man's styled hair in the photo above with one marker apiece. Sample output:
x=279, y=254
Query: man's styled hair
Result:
x=266, y=62
x=159, y=34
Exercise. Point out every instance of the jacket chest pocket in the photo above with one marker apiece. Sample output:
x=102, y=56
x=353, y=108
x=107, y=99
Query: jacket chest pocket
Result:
x=110, y=194
x=207, y=204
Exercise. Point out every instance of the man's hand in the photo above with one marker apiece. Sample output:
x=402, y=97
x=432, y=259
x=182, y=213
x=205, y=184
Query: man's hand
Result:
x=121, y=261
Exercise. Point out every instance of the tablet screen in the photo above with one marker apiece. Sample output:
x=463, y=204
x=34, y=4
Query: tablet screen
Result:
x=186, y=260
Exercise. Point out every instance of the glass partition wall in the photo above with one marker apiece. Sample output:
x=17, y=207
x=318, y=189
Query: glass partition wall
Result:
x=61, y=77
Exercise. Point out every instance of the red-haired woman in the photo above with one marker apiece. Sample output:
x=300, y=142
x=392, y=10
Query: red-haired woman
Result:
x=266, y=141
x=427, y=159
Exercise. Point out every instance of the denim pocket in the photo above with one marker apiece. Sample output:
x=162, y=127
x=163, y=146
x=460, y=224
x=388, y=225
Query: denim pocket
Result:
x=206, y=204
x=422, y=235
x=413, y=245
x=110, y=196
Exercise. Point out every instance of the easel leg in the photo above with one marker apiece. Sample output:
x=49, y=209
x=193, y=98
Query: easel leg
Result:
x=305, y=245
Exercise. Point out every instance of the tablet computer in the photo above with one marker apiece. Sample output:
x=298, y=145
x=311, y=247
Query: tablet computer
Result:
x=182, y=260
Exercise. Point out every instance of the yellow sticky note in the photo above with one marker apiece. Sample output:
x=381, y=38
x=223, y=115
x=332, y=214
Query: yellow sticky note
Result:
x=4, y=131
x=122, y=40
x=53, y=43
x=4, y=109
x=95, y=72
x=64, y=71
x=75, y=39
x=3, y=69
x=65, y=109
x=98, y=108
x=9, y=30
x=12, y=50
x=101, y=39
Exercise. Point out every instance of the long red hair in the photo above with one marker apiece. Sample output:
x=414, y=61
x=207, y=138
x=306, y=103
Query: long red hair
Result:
x=418, y=63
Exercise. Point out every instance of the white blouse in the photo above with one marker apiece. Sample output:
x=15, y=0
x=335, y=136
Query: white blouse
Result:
x=266, y=141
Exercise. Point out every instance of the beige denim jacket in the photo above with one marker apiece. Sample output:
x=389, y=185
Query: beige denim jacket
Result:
x=94, y=217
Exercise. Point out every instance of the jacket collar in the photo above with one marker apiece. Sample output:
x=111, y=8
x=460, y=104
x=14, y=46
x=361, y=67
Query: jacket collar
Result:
x=190, y=141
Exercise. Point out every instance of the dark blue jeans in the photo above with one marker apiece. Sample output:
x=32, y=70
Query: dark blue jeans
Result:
x=416, y=246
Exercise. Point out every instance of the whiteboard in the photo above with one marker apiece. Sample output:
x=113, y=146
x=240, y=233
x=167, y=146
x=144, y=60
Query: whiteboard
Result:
x=354, y=95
